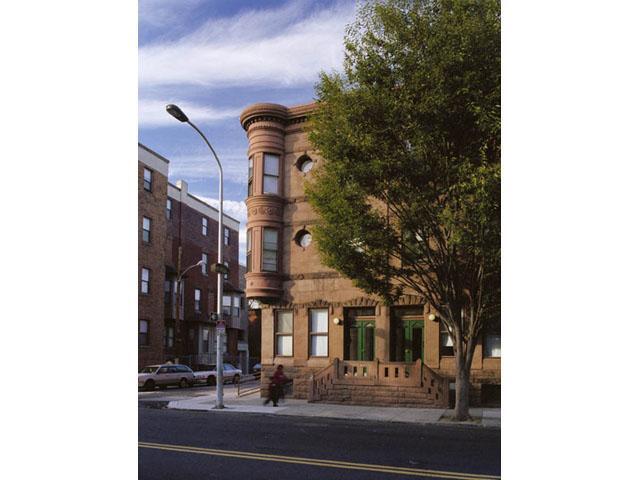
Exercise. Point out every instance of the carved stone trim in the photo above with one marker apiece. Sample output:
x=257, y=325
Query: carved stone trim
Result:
x=264, y=210
x=361, y=302
x=410, y=300
x=311, y=276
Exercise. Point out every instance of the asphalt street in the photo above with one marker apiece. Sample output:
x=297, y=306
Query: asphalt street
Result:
x=188, y=445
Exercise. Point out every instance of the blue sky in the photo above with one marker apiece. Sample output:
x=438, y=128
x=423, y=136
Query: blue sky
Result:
x=213, y=58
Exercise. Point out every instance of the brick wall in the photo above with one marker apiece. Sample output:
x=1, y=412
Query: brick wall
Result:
x=151, y=256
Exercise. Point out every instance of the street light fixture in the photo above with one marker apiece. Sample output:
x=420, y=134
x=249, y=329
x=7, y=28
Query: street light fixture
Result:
x=179, y=115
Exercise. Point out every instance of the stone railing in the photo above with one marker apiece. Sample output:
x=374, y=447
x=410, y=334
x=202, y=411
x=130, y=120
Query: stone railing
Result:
x=436, y=387
x=321, y=381
x=351, y=372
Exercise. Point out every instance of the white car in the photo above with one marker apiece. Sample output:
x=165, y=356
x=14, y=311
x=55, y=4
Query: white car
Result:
x=163, y=375
x=207, y=374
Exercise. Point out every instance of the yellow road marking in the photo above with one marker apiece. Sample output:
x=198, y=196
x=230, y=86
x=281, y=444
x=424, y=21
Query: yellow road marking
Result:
x=319, y=462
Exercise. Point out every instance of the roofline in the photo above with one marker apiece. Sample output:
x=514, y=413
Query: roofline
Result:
x=153, y=152
x=206, y=204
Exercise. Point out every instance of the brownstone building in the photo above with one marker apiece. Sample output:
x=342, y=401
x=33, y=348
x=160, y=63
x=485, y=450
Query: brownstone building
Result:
x=338, y=343
x=177, y=295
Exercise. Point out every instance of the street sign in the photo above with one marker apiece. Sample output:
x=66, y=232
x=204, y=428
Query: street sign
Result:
x=221, y=327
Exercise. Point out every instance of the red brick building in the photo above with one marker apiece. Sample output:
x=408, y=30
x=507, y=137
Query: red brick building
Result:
x=176, y=295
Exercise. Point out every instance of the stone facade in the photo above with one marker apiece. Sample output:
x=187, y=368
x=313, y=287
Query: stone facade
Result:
x=302, y=285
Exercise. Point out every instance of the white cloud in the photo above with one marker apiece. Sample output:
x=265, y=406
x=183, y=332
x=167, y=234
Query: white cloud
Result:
x=279, y=47
x=152, y=113
x=234, y=166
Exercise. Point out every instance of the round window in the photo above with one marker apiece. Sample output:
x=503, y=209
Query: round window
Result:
x=304, y=164
x=303, y=238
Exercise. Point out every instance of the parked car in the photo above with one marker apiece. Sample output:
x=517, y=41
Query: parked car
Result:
x=256, y=370
x=207, y=374
x=164, y=375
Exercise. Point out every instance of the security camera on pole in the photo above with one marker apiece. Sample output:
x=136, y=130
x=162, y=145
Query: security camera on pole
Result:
x=219, y=267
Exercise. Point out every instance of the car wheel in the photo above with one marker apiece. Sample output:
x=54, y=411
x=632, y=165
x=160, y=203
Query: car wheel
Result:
x=211, y=380
x=149, y=385
x=236, y=379
x=184, y=383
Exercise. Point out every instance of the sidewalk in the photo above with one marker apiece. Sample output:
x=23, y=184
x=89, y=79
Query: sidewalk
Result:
x=486, y=417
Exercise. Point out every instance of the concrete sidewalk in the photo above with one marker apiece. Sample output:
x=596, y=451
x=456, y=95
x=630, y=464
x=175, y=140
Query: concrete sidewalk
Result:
x=486, y=417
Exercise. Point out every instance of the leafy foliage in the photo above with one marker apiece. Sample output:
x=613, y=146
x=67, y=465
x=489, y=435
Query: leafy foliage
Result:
x=409, y=194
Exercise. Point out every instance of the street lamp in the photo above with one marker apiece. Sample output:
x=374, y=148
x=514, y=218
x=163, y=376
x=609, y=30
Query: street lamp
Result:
x=179, y=115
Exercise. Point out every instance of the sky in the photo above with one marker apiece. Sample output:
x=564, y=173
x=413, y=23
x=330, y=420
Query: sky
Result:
x=213, y=58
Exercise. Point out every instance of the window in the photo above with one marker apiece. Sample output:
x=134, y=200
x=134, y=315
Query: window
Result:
x=236, y=306
x=205, y=340
x=146, y=229
x=227, y=236
x=143, y=332
x=250, y=190
x=249, y=250
x=168, y=337
x=319, y=332
x=284, y=334
x=270, y=250
x=492, y=345
x=197, y=293
x=226, y=304
x=226, y=275
x=205, y=226
x=205, y=264
x=304, y=164
x=144, y=282
x=303, y=238
x=169, y=208
x=271, y=172
x=147, y=179
x=167, y=291
x=446, y=341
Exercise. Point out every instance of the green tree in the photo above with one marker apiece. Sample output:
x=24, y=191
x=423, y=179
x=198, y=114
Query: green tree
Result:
x=409, y=193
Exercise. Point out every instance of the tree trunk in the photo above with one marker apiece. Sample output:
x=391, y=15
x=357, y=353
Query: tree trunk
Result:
x=461, y=410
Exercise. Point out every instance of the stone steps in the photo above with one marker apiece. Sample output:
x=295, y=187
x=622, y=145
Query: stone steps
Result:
x=379, y=395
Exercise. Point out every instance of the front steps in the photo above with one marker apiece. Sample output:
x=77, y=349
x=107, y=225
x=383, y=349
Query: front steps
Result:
x=378, y=395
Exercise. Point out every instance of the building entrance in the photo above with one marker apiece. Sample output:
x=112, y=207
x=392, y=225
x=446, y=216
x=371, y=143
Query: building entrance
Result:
x=407, y=335
x=359, y=339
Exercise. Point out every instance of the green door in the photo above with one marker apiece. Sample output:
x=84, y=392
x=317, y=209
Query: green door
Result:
x=360, y=341
x=413, y=340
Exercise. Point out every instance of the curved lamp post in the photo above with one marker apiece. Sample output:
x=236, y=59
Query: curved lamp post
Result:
x=179, y=115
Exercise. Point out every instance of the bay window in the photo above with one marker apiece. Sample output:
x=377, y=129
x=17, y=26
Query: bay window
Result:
x=270, y=250
x=271, y=173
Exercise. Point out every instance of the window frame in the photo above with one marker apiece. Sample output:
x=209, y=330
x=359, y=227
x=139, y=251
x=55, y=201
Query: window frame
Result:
x=144, y=282
x=313, y=334
x=444, y=350
x=225, y=276
x=205, y=266
x=278, y=333
x=226, y=309
x=168, y=337
x=205, y=226
x=485, y=350
x=146, y=333
x=169, y=209
x=270, y=175
x=250, y=180
x=227, y=236
x=146, y=230
x=147, y=184
x=197, y=300
x=264, y=245
x=249, y=247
